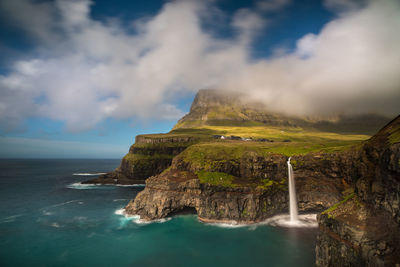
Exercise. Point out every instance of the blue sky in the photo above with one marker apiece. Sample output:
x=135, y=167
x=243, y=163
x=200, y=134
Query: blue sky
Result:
x=80, y=79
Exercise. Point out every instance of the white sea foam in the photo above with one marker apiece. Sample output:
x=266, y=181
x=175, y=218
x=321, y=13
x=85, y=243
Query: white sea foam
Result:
x=136, y=218
x=88, y=174
x=61, y=204
x=163, y=220
x=129, y=185
x=231, y=224
x=81, y=186
x=55, y=225
x=303, y=221
x=9, y=218
x=120, y=199
x=120, y=211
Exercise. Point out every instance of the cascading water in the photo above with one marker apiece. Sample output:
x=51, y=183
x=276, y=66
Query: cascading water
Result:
x=292, y=194
x=293, y=220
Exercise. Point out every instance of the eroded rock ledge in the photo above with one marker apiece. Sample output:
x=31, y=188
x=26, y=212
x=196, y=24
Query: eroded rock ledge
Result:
x=150, y=155
x=364, y=229
x=257, y=191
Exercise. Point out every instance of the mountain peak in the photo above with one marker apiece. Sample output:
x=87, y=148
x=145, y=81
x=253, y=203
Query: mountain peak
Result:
x=212, y=107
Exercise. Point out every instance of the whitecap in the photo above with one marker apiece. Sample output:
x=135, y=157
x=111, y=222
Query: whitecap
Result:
x=130, y=185
x=120, y=199
x=136, y=218
x=88, y=174
x=55, y=225
x=163, y=220
x=120, y=211
x=9, y=218
x=81, y=186
x=61, y=204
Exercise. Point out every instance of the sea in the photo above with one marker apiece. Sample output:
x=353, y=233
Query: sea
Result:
x=47, y=218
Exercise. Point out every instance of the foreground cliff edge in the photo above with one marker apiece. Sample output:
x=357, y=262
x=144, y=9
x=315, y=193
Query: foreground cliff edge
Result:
x=364, y=228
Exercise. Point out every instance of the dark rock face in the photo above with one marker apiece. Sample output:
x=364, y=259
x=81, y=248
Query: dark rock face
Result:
x=147, y=157
x=175, y=190
x=179, y=188
x=365, y=231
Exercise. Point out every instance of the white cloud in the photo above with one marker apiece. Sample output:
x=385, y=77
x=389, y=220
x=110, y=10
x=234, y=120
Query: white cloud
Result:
x=352, y=66
x=89, y=70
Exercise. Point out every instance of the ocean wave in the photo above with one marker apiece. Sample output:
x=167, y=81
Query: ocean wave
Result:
x=136, y=218
x=47, y=213
x=61, y=204
x=88, y=173
x=55, y=225
x=120, y=199
x=10, y=219
x=80, y=186
x=129, y=185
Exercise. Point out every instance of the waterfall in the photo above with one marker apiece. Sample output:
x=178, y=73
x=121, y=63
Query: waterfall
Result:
x=292, y=194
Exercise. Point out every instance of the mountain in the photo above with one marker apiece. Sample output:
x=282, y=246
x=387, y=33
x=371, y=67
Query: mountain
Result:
x=221, y=108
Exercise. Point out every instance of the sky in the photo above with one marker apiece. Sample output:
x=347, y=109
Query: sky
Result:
x=80, y=79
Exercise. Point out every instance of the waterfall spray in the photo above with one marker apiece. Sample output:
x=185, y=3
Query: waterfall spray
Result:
x=292, y=194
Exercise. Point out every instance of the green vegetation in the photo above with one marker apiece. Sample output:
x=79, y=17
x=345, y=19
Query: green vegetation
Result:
x=215, y=178
x=192, y=133
x=295, y=134
x=334, y=207
x=134, y=157
x=394, y=136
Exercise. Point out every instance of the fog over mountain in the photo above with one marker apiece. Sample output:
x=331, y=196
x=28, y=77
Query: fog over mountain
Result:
x=85, y=70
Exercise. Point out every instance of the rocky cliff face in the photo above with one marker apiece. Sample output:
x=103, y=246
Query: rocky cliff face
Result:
x=150, y=155
x=364, y=229
x=257, y=188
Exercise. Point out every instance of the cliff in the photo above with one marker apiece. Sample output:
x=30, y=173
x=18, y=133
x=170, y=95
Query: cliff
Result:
x=216, y=112
x=364, y=228
x=241, y=185
x=150, y=155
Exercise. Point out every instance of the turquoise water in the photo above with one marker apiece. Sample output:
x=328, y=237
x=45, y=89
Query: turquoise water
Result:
x=43, y=222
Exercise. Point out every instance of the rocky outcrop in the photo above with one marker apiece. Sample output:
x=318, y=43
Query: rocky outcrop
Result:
x=258, y=188
x=365, y=229
x=150, y=155
x=174, y=191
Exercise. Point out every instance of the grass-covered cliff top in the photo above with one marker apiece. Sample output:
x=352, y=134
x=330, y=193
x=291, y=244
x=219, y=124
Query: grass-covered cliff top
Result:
x=296, y=134
x=287, y=141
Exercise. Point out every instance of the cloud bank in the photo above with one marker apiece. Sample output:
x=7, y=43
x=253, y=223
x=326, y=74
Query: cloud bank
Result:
x=87, y=71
